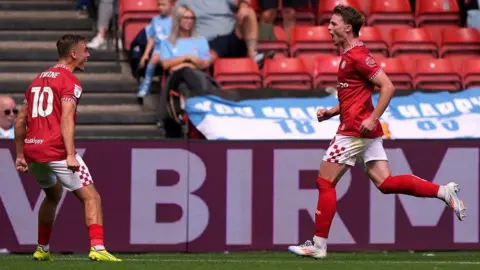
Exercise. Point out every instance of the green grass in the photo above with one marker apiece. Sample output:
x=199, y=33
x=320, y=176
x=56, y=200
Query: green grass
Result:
x=256, y=260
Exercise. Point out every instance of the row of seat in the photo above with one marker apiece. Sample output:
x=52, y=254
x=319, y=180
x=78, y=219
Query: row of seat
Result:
x=384, y=11
x=135, y=14
x=305, y=73
x=377, y=11
x=438, y=41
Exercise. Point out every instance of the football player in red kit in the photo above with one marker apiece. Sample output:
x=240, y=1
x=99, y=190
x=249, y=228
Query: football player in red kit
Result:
x=44, y=140
x=359, y=136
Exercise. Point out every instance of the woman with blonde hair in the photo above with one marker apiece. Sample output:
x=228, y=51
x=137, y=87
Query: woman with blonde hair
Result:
x=185, y=56
x=183, y=48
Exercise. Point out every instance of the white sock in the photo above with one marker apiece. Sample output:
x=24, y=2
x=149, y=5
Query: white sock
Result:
x=45, y=248
x=442, y=192
x=99, y=247
x=320, y=242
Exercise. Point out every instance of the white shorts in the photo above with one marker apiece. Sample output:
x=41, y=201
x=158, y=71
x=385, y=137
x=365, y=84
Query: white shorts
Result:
x=48, y=173
x=347, y=150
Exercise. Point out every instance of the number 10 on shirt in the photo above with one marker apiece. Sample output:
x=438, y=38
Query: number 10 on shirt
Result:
x=38, y=100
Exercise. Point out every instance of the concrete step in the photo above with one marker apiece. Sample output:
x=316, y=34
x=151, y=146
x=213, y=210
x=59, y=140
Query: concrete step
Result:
x=37, y=67
x=45, y=20
x=115, y=115
x=51, y=36
x=91, y=82
x=96, y=98
x=119, y=131
x=37, y=5
x=23, y=53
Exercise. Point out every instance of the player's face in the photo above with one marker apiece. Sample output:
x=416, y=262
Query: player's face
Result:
x=164, y=6
x=8, y=112
x=338, y=29
x=187, y=21
x=81, y=54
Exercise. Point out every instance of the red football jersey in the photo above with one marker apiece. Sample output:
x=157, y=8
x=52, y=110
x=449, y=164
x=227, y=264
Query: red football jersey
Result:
x=356, y=70
x=44, y=142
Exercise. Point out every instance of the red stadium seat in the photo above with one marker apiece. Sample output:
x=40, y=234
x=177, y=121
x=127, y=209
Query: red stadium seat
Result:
x=412, y=41
x=131, y=31
x=437, y=74
x=237, y=73
x=435, y=12
x=396, y=71
x=305, y=15
x=409, y=61
x=133, y=14
x=372, y=38
x=326, y=71
x=325, y=9
x=280, y=45
x=287, y=73
x=461, y=41
x=390, y=12
x=471, y=73
x=311, y=39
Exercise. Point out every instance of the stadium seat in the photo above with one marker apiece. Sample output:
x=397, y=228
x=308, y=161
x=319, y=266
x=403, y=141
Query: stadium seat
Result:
x=412, y=41
x=311, y=39
x=131, y=31
x=461, y=41
x=325, y=9
x=436, y=12
x=436, y=74
x=237, y=73
x=325, y=71
x=471, y=73
x=396, y=71
x=287, y=73
x=390, y=12
x=372, y=38
x=279, y=46
x=305, y=15
x=133, y=14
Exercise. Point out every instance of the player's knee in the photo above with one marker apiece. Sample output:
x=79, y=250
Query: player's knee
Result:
x=54, y=198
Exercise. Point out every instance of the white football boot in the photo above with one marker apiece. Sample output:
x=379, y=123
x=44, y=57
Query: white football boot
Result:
x=452, y=200
x=309, y=249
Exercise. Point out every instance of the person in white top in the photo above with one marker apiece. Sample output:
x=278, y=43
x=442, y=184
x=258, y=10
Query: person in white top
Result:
x=8, y=114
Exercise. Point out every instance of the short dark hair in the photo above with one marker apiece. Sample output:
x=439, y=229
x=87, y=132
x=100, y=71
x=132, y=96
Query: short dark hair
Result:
x=65, y=44
x=350, y=16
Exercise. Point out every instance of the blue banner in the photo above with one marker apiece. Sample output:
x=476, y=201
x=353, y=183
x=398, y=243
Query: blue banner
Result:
x=417, y=116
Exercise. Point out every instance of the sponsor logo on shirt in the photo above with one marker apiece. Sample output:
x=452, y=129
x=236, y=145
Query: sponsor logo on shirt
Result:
x=370, y=61
x=77, y=91
x=33, y=141
x=344, y=63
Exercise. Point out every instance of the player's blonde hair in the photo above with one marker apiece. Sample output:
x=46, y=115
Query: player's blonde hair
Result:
x=178, y=14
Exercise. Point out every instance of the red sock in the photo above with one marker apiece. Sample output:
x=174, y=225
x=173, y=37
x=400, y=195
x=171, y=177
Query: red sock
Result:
x=44, y=233
x=96, y=235
x=409, y=185
x=326, y=207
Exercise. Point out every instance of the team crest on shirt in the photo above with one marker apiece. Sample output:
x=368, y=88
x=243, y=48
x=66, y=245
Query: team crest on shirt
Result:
x=343, y=64
x=77, y=91
x=370, y=61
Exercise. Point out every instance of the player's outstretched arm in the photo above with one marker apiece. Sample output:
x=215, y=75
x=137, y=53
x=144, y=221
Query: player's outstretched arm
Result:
x=386, y=92
x=21, y=130
x=68, y=126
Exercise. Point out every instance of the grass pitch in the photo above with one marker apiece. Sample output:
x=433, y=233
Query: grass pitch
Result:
x=255, y=260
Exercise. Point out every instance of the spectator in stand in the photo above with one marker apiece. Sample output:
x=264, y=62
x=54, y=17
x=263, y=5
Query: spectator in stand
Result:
x=269, y=13
x=184, y=55
x=470, y=13
x=230, y=27
x=8, y=114
x=158, y=31
x=105, y=13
